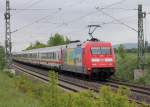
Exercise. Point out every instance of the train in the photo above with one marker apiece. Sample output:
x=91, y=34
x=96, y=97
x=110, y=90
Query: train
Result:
x=90, y=58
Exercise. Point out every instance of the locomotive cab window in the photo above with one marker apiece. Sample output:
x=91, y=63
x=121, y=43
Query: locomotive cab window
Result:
x=101, y=50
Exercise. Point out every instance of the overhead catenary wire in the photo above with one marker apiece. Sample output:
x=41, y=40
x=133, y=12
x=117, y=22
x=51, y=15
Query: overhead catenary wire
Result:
x=117, y=20
x=27, y=25
x=63, y=23
x=113, y=4
x=103, y=23
x=127, y=9
x=37, y=9
x=90, y=13
x=32, y=4
x=36, y=2
x=28, y=2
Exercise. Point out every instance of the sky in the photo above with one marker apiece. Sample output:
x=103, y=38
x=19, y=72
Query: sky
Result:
x=39, y=19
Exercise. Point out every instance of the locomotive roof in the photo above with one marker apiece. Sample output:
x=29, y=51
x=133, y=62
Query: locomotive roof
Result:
x=91, y=43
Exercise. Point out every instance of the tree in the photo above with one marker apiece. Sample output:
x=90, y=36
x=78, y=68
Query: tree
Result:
x=36, y=45
x=55, y=40
x=133, y=50
x=29, y=47
x=67, y=40
x=39, y=45
x=2, y=58
x=148, y=49
x=121, y=51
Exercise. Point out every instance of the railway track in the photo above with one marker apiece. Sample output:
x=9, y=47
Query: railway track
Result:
x=139, y=94
x=65, y=85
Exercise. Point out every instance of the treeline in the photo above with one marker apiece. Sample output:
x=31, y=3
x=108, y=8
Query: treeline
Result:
x=54, y=40
x=133, y=50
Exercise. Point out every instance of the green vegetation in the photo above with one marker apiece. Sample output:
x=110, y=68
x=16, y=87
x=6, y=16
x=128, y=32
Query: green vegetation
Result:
x=11, y=97
x=55, y=40
x=127, y=63
x=146, y=79
x=36, y=45
x=2, y=58
x=22, y=92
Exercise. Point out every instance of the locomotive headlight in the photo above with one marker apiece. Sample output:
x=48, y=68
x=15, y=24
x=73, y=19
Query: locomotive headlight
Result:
x=95, y=60
x=108, y=60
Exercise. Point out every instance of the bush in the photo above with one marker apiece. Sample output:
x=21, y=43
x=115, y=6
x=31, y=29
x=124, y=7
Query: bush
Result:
x=2, y=58
x=125, y=67
x=108, y=98
x=144, y=80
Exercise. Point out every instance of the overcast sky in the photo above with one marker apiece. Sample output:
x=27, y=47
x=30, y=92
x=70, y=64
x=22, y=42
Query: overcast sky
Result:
x=71, y=18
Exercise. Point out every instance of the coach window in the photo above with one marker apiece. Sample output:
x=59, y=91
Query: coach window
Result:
x=50, y=56
x=53, y=55
x=30, y=55
x=35, y=55
x=43, y=55
x=47, y=55
x=57, y=55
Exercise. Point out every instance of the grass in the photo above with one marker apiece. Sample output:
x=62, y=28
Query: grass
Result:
x=11, y=97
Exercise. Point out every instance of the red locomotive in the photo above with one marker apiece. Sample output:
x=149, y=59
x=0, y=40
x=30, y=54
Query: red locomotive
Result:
x=90, y=58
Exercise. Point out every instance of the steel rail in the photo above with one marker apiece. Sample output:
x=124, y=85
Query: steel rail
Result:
x=67, y=86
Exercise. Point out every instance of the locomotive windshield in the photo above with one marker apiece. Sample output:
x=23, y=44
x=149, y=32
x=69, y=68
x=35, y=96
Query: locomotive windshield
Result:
x=101, y=50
